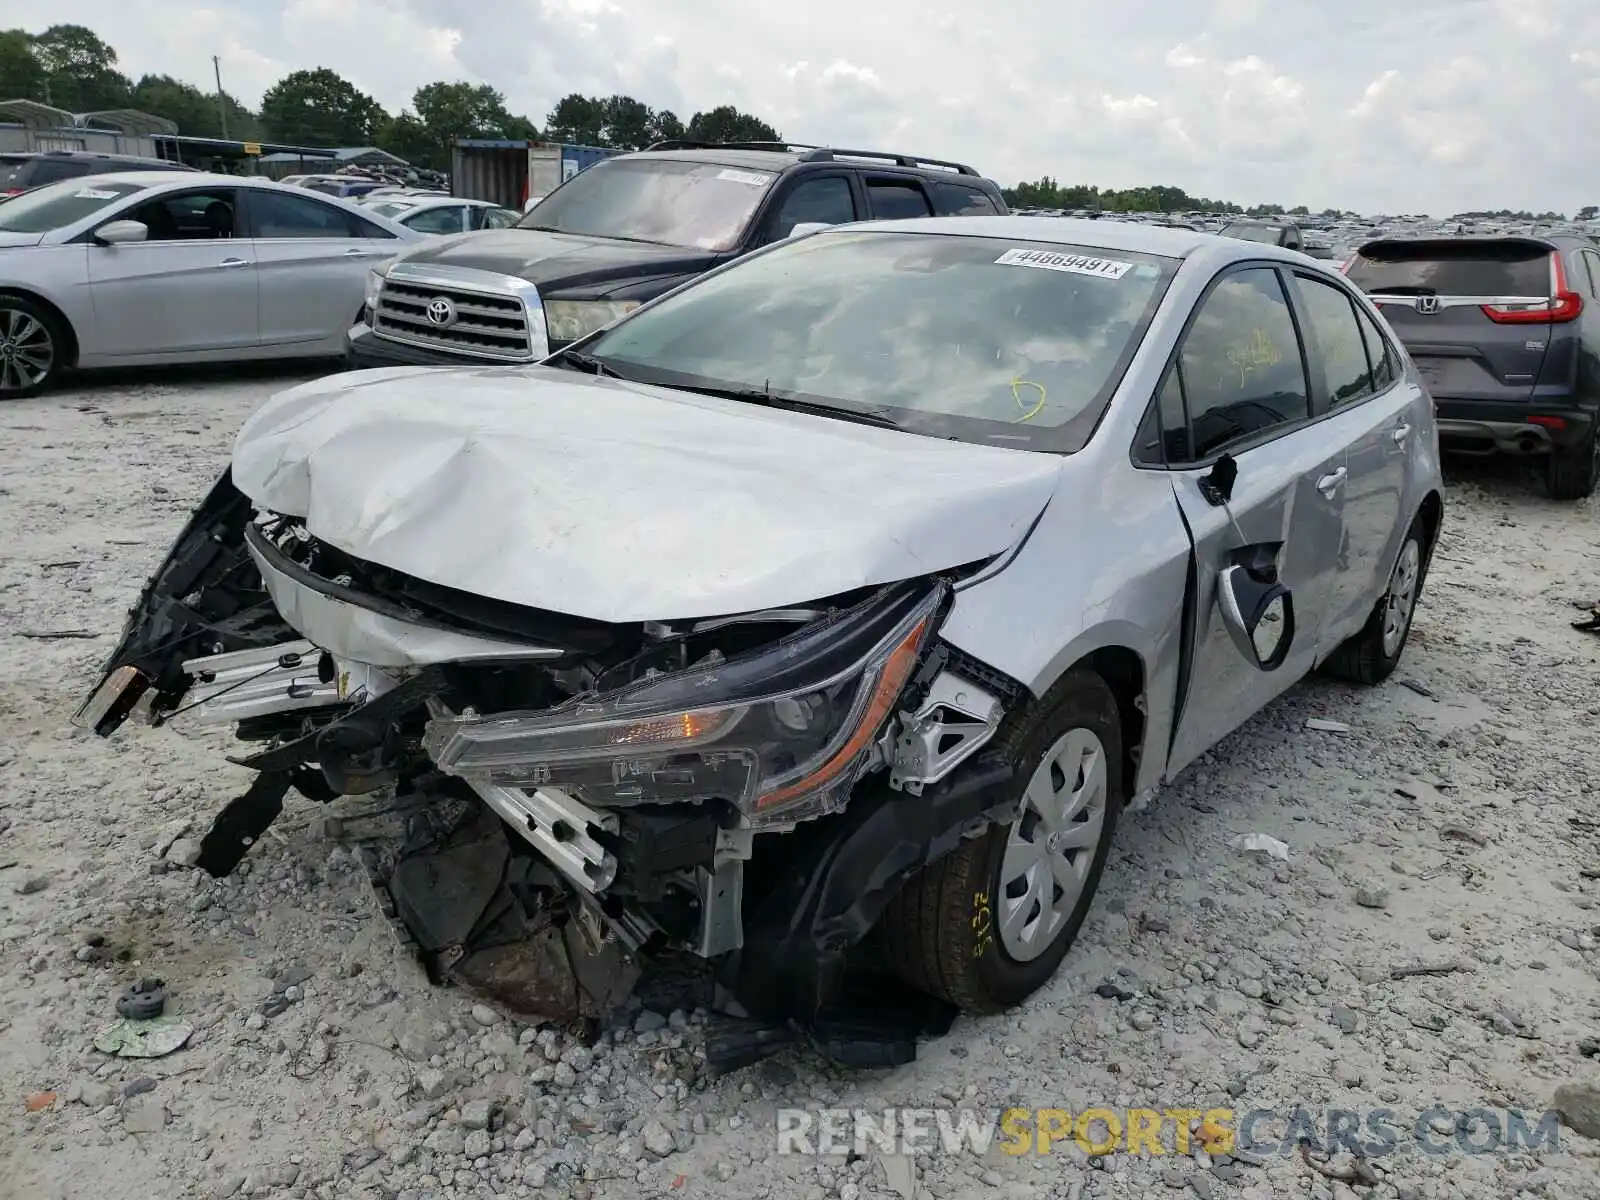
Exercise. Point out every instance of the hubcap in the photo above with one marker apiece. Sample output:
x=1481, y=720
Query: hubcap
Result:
x=1402, y=597
x=26, y=350
x=1052, y=844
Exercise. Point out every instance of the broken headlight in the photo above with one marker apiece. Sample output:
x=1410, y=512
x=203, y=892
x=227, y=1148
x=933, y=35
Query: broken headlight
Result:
x=782, y=733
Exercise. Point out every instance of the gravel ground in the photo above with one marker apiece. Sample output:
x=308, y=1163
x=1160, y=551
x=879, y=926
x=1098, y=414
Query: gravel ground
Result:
x=1453, y=823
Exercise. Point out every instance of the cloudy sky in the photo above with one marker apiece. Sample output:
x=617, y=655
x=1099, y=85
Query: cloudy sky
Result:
x=1423, y=106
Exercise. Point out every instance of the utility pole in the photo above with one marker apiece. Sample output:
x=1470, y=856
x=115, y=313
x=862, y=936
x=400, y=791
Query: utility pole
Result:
x=222, y=107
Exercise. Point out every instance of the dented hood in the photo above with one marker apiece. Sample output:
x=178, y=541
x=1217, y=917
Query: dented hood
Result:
x=618, y=502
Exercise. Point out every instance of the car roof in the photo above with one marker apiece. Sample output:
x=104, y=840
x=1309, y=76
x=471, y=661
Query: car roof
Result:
x=82, y=154
x=1070, y=231
x=755, y=160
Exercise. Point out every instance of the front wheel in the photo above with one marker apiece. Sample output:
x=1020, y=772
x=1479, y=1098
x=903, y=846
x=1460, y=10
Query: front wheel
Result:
x=987, y=926
x=32, y=348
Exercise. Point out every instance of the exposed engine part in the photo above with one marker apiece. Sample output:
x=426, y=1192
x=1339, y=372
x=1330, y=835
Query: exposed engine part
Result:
x=500, y=925
x=560, y=828
x=955, y=720
x=254, y=683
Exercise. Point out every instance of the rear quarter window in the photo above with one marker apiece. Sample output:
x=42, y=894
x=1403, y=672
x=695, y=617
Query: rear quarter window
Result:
x=957, y=200
x=1453, y=270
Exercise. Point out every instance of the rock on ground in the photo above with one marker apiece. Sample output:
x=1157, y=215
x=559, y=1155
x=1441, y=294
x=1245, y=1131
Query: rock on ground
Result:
x=323, y=1065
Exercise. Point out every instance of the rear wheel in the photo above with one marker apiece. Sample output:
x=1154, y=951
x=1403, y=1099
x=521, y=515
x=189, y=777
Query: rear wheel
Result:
x=1372, y=655
x=32, y=348
x=1570, y=473
x=987, y=926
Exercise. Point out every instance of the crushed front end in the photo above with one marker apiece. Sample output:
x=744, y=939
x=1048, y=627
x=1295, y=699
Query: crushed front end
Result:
x=731, y=800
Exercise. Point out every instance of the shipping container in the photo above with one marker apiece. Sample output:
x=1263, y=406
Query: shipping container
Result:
x=508, y=172
x=20, y=138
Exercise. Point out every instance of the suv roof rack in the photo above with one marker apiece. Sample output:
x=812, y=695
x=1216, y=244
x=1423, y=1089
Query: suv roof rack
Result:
x=810, y=153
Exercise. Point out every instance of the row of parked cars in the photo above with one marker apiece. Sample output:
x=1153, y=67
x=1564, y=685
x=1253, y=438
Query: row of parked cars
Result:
x=696, y=560
x=148, y=267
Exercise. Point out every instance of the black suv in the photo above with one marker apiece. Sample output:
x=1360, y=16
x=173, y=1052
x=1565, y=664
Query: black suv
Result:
x=19, y=172
x=627, y=230
x=1506, y=334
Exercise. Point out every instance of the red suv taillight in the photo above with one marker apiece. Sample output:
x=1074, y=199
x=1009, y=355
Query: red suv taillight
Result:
x=1564, y=303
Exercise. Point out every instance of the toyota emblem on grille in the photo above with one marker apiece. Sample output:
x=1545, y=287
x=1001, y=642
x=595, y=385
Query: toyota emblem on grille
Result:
x=441, y=312
x=1427, y=304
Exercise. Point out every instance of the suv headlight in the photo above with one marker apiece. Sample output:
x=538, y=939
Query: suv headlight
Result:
x=782, y=733
x=374, y=286
x=569, y=320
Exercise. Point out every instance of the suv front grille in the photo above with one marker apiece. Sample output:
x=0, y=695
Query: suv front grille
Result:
x=485, y=325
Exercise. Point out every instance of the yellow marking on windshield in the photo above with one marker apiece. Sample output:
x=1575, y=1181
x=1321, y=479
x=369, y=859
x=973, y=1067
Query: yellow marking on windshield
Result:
x=1028, y=414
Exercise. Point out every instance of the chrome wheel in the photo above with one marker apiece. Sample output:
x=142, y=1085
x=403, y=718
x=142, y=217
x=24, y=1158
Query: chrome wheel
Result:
x=1401, y=598
x=1052, y=844
x=27, y=351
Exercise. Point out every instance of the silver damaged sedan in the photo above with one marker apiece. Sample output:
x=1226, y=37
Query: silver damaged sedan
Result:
x=149, y=268
x=813, y=623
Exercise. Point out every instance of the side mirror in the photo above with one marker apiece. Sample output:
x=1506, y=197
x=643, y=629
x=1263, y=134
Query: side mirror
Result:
x=807, y=228
x=1257, y=610
x=117, y=232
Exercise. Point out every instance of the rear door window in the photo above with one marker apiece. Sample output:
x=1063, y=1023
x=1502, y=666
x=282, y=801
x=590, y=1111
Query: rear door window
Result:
x=1482, y=268
x=896, y=199
x=958, y=200
x=1332, y=318
x=280, y=215
x=1381, y=358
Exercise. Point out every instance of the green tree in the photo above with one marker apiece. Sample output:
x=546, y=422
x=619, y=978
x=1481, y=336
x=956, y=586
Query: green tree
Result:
x=727, y=124
x=625, y=123
x=665, y=126
x=1047, y=193
x=320, y=108
x=22, y=75
x=577, y=119
x=191, y=109
x=80, y=70
x=1588, y=212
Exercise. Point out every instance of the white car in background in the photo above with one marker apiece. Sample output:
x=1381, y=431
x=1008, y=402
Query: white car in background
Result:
x=149, y=268
x=434, y=214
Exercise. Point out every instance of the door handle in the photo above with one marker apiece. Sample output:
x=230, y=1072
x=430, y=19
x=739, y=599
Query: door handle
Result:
x=357, y=253
x=1401, y=432
x=1329, y=484
x=233, y=262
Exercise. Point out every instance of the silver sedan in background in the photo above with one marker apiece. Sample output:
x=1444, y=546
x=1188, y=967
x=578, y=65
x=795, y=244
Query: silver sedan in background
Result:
x=148, y=268
x=435, y=214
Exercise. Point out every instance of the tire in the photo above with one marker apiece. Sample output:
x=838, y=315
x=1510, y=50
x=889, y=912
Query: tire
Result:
x=946, y=931
x=1371, y=656
x=1570, y=473
x=33, y=348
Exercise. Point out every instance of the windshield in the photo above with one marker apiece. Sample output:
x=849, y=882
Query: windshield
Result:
x=663, y=200
x=65, y=203
x=1255, y=233
x=390, y=208
x=982, y=339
